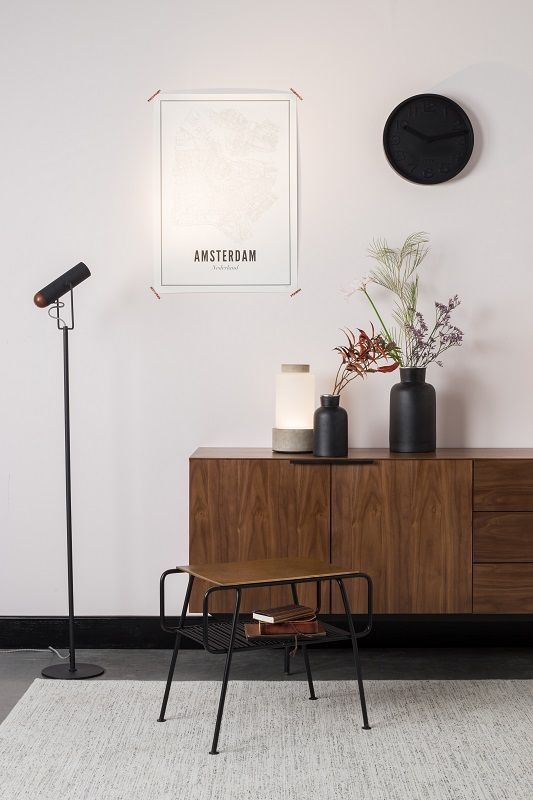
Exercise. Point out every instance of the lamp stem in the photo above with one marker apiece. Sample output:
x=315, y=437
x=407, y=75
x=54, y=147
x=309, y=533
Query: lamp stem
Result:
x=68, y=503
x=73, y=671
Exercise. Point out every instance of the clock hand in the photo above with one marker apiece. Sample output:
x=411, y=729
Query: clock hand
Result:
x=419, y=134
x=449, y=135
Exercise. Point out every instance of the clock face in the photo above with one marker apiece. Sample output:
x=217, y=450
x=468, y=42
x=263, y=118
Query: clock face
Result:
x=428, y=139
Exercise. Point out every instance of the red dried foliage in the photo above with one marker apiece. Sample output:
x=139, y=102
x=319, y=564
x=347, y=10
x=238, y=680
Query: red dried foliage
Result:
x=362, y=356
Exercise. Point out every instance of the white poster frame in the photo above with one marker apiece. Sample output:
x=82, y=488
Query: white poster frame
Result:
x=179, y=267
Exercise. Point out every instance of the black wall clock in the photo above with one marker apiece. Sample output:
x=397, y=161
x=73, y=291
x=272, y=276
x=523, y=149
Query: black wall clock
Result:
x=428, y=139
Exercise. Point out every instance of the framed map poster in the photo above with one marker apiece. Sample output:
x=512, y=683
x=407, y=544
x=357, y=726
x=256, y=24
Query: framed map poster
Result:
x=226, y=188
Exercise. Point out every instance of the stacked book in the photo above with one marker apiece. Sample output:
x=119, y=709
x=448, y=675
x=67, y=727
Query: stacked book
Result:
x=284, y=621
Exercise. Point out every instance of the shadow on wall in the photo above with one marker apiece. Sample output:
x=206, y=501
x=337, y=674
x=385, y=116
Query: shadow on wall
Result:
x=477, y=89
x=453, y=411
x=456, y=414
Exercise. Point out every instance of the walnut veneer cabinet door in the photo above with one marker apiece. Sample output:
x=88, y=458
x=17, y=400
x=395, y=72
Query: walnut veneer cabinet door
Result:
x=408, y=523
x=242, y=509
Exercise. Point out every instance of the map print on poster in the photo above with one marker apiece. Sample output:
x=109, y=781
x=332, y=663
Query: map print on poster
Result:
x=227, y=192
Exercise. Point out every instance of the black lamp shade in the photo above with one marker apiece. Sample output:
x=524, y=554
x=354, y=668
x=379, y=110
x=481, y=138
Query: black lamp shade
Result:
x=62, y=285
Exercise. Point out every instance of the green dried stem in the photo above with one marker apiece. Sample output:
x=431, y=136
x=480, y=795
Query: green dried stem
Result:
x=397, y=271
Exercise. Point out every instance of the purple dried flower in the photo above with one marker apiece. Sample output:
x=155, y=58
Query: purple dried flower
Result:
x=423, y=348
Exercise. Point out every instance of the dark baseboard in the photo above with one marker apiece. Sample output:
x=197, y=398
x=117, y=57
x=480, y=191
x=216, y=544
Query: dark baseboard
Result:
x=394, y=630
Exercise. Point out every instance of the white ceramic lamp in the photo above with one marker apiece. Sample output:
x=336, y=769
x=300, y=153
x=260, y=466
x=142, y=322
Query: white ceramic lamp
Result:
x=295, y=406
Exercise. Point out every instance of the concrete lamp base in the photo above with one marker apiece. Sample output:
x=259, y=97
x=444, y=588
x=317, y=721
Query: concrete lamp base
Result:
x=285, y=440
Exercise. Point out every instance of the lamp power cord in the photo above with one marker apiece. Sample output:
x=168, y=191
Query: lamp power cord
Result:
x=36, y=650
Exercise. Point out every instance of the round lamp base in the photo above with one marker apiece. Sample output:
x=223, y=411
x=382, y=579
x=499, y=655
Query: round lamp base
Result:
x=286, y=440
x=62, y=672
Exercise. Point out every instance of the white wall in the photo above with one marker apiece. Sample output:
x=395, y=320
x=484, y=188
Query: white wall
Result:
x=152, y=380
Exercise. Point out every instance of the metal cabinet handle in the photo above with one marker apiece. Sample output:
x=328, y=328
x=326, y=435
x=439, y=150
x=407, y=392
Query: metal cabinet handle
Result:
x=338, y=462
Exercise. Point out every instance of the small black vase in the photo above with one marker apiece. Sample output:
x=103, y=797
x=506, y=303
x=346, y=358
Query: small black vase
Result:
x=413, y=413
x=330, y=429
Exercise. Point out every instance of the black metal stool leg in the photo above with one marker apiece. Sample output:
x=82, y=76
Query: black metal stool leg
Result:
x=286, y=654
x=214, y=750
x=169, y=678
x=176, y=650
x=358, y=671
x=312, y=695
x=294, y=594
x=286, y=660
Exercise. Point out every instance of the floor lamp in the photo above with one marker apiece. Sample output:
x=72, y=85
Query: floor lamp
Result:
x=51, y=294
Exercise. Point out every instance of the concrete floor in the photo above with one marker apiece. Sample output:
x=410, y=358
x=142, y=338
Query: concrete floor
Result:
x=18, y=670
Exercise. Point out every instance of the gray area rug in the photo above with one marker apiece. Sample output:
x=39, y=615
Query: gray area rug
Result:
x=430, y=740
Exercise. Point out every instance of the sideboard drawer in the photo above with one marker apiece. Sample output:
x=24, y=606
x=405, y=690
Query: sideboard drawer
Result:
x=503, y=536
x=503, y=484
x=503, y=588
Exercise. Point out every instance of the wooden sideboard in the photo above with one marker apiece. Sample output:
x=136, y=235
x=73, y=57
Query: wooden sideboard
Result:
x=449, y=532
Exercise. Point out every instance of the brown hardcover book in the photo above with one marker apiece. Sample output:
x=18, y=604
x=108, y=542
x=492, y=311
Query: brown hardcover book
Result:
x=255, y=630
x=284, y=613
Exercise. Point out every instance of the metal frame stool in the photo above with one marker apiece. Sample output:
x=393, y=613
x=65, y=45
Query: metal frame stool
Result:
x=226, y=638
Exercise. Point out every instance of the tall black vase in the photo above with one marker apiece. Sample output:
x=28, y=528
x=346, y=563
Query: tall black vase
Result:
x=330, y=428
x=413, y=413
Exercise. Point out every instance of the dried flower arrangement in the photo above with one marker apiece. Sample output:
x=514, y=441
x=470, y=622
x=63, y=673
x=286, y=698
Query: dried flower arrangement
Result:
x=410, y=342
